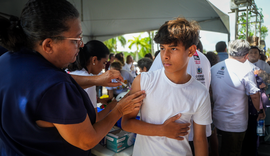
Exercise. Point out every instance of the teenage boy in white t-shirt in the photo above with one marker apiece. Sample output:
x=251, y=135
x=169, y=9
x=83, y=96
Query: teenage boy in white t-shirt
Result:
x=171, y=91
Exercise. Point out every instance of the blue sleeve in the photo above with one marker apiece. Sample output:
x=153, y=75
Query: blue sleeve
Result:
x=62, y=104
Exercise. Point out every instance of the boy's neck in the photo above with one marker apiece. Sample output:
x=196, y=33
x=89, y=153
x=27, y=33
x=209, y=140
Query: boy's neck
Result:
x=179, y=77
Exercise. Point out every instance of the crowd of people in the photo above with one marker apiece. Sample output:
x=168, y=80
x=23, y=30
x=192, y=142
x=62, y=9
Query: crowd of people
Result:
x=190, y=103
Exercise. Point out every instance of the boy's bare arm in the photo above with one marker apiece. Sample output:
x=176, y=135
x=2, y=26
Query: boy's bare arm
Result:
x=169, y=128
x=200, y=140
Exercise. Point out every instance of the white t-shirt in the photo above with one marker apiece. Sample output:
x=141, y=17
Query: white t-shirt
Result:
x=166, y=99
x=231, y=82
x=127, y=67
x=128, y=79
x=199, y=67
x=263, y=65
x=91, y=91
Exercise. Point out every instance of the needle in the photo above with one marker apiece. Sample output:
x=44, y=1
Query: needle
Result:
x=122, y=83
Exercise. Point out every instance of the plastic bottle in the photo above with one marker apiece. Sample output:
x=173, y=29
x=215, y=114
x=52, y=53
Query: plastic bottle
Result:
x=260, y=128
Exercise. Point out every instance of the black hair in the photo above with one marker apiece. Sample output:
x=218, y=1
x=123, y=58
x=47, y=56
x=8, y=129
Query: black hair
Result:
x=110, y=56
x=90, y=49
x=212, y=57
x=156, y=53
x=178, y=31
x=200, y=46
x=145, y=62
x=117, y=65
x=40, y=19
x=263, y=57
x=119, y=57
x=221, y=46
x=149, y=55
x=2, y=50
x=255, y=47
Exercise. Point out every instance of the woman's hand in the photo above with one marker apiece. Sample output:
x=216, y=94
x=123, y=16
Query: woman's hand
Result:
x=105, y=78
x=130, y=103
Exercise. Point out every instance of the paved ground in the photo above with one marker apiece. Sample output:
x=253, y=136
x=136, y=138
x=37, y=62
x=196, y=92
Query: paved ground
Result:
x=264, y=149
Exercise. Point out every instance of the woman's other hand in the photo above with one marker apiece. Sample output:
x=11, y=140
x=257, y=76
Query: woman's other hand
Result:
x=130, y=103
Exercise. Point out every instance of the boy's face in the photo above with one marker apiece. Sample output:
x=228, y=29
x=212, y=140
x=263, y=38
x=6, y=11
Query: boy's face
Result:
x=175, y=57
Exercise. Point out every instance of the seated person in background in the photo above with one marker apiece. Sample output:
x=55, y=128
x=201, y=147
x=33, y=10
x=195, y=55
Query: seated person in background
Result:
x=111, y=59
x=128, y=66
x=128, y=79
x=119, y=57
x=171, y=91
x=90, y=61
x=144, y=64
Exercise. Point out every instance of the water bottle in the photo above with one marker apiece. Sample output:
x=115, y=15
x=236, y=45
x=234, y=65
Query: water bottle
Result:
x=260, y=128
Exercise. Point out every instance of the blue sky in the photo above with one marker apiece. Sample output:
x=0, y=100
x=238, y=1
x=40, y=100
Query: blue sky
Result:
x=209, y=39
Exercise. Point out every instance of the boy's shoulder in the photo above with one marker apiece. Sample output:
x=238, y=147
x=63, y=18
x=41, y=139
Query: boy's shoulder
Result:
x=152, y=73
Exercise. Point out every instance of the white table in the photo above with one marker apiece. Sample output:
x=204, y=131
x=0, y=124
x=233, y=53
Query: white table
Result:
x=99, y=150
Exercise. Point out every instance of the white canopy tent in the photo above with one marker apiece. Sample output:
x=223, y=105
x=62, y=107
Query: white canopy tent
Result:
x=104, y=19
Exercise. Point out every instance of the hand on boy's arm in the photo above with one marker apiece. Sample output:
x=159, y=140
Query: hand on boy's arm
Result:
x=169, y=128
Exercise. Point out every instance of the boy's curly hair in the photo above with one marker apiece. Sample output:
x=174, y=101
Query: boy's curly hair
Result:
x=178, y=31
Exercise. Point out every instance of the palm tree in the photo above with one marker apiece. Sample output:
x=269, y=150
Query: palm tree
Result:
x=142, y=45
x=112, y=43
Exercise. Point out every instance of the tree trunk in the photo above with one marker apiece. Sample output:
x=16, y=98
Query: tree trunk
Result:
x=137, y=56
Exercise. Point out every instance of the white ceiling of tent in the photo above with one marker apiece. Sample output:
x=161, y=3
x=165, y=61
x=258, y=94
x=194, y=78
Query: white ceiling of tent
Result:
x=103, y=19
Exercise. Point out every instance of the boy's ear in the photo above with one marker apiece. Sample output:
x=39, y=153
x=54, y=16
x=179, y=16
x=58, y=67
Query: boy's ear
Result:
x=144, y=69
x=191, y=50
x=47, y=45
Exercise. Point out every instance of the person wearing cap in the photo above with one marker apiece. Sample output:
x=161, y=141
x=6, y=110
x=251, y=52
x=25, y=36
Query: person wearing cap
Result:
x=254, y=57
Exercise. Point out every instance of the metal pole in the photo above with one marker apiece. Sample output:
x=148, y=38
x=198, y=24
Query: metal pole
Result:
x=247, y=23
x=260, y=26
x=236, y=24
x=256, y=25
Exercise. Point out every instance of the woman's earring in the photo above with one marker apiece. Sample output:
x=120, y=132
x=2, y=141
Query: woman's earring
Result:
x=94, y=64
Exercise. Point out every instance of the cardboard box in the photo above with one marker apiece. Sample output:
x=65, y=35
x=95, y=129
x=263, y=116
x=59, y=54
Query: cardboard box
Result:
x=119, y=140
x=103, y=142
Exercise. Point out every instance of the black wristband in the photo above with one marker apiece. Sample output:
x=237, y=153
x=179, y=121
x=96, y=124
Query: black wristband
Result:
x=261, y=111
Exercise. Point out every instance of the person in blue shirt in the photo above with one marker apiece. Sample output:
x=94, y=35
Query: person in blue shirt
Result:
x=43, y=110
x=221, y=49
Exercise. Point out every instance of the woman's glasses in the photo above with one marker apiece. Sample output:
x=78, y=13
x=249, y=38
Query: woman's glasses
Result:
x=79, y=40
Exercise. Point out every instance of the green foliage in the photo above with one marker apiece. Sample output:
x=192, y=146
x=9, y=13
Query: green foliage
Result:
x=142, y=45
x=112, y=43
x=264, y=32
x=267, y=53
x=251, y=26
